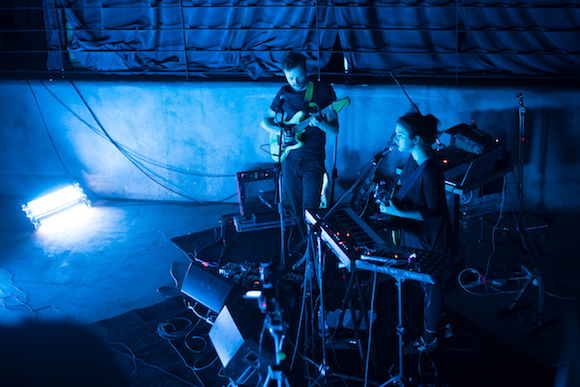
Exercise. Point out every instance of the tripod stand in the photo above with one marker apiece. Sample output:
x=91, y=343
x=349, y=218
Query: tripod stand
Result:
x=277, y=328
x=533, y=276
x=271, y=303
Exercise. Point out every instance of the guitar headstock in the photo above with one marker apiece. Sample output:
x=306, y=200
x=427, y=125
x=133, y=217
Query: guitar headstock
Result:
x=340, y=103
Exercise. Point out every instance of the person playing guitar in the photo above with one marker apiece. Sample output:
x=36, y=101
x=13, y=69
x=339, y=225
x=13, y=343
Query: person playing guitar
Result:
x=303, y=166
x=421, y=197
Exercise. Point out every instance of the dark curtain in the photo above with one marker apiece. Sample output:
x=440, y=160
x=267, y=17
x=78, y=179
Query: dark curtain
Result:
x=483, y=37
x=415, y=38
x=217, y=37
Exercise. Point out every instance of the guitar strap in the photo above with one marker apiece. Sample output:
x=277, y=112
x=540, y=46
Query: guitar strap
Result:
x=405, y=189
x=402, y=192
x=309, y=93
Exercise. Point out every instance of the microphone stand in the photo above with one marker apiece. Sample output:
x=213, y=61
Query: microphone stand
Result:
x=375, y=160
x=279, y=187
x=323, y=369
x=334, y=170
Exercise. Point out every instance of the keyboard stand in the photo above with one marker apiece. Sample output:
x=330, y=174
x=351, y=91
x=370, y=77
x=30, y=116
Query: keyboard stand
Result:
x=398, y=378
x=349, y=301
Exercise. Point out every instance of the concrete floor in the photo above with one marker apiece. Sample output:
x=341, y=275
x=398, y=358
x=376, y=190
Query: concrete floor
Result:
x=120, y=257
x=117, y=257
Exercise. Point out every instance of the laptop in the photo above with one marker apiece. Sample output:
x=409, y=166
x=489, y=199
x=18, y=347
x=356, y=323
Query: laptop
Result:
x=465, y=174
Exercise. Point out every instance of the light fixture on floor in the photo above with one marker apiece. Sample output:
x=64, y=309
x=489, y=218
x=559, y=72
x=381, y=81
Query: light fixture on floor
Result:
x=54, y=203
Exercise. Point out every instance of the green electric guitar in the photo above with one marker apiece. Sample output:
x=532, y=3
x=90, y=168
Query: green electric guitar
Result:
x=297, y=125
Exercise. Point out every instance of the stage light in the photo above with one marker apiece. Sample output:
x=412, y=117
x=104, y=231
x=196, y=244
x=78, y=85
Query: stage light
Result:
x=253, y=294
x=54, y=203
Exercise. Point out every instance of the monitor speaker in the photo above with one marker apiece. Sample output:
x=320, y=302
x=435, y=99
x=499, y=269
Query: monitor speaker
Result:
x=207, y=287
x=235, y=335
x=256, y=191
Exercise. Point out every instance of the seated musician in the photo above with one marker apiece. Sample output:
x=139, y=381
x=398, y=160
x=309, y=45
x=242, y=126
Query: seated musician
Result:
x=421, y=197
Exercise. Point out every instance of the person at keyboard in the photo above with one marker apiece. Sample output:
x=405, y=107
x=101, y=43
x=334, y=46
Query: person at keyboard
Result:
x=421, y=198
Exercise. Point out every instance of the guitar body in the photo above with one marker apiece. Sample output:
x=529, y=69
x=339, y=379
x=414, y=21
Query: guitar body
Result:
x=391, y=223
x=288, y=146
x=298, y=126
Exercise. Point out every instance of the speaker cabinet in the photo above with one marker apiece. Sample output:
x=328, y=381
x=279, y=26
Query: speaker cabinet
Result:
x=207, y=287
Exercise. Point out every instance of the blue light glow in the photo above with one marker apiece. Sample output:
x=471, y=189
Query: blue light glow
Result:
x=54, y=203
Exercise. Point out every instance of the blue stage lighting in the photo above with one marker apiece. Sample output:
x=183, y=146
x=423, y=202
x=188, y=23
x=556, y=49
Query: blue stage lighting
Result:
x=54, y=203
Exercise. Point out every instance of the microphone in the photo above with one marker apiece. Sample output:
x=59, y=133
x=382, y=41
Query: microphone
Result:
x=379, y=156
x=280, y=110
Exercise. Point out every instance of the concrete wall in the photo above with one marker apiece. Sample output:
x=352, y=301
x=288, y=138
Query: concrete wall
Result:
x=186, y=140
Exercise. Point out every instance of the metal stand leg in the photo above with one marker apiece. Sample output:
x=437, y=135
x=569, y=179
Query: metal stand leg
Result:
x=276, y=376
x=323, y=325
x=532, y=276
x=348, y=302
x=323, y=368
x=276, y=327
x=398, y=378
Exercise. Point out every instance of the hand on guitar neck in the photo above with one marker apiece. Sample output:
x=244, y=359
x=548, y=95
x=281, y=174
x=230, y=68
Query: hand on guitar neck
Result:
x=291, y=131
x=298, y=124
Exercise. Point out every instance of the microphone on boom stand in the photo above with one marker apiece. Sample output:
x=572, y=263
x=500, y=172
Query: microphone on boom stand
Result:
x=279, y=119
x=280, y=110
x=382, y=154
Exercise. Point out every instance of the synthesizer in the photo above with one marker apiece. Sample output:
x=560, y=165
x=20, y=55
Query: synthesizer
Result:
x=359, y=247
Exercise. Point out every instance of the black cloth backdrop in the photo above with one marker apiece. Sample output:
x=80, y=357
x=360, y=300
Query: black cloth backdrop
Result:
x=248, y=38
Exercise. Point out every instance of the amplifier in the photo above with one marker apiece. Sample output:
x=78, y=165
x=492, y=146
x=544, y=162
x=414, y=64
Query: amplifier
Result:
x=471, y=139
x=256, y=191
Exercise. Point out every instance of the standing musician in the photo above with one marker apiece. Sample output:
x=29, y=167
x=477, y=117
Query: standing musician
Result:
x=303, y=167
x=421, y=198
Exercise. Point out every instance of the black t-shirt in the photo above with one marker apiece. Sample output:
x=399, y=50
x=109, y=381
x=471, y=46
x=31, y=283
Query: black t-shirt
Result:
x=314, y=139
x=423, y=188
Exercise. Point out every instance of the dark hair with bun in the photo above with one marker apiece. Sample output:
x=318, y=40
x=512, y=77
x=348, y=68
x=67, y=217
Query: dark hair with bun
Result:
x=420, y=125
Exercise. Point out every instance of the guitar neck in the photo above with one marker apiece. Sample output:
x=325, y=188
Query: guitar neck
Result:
x=304, y=124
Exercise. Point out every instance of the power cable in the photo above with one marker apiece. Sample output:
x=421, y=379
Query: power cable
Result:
x=132, y=156
x=46, y=128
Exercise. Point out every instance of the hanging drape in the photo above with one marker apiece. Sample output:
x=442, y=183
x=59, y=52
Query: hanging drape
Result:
x=248, y=38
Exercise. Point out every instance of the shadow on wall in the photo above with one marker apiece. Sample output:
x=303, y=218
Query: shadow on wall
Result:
x=548, y=148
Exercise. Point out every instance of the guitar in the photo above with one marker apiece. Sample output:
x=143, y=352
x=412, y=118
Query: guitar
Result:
x=360, y=200
x=382, y=195
x=297, y=125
